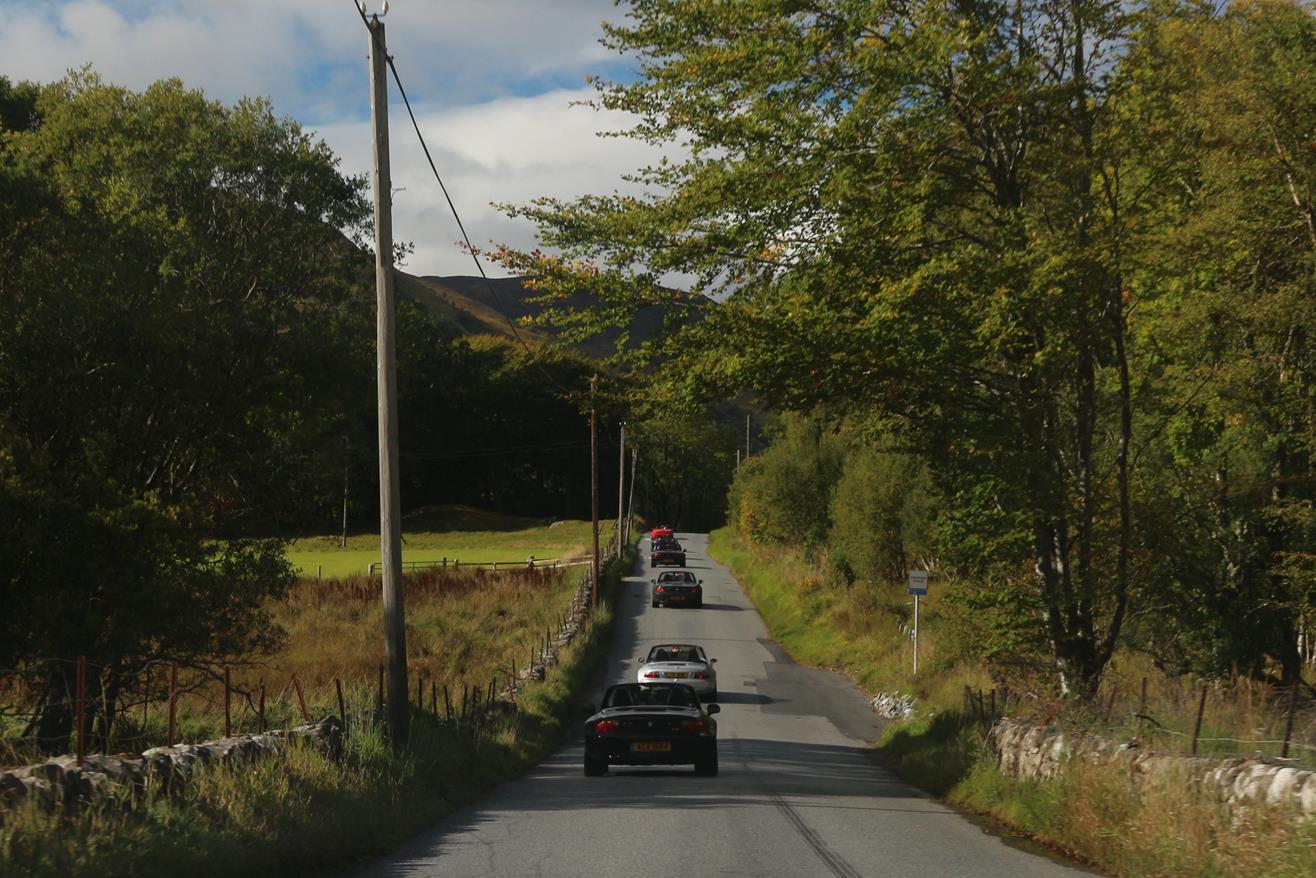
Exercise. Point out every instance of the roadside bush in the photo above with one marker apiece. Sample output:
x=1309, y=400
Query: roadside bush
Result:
x=880, y=515
x=784, y=494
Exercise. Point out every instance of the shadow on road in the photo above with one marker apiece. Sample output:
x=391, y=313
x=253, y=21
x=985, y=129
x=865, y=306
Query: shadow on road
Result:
x=725, y=697
x=753, y=772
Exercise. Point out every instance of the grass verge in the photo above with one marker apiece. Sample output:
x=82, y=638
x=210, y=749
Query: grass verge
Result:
x=303, y=812
x=1093, y=813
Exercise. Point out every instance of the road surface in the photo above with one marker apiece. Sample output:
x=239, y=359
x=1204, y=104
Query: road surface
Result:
x=798, y=795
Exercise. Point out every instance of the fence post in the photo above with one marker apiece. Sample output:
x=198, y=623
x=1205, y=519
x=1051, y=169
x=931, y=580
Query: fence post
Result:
x=173, y=702
x=420, y=699
x=434, y=697
x=342, y=708
x=1288, y=726
x=228, y=704
x=81, y=684
x=260, y=712
x=447, y=703
x=301, y=701
x=1197, y=726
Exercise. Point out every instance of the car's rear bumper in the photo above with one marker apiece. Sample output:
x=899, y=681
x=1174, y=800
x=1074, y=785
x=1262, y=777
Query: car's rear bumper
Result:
x=682, y=600
x=621, y=751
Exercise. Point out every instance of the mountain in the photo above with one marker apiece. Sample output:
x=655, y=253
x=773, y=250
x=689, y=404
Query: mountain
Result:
x=472, y=305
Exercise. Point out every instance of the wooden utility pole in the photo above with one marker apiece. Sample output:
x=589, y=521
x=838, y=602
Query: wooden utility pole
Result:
x=347, y=449
x=594, y=491
x=621, y=488
x=630, y=500
x=386, y=376
x=746, y=437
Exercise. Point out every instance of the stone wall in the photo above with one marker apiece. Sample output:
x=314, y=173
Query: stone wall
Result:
x=1030, y=752
x=61, y=782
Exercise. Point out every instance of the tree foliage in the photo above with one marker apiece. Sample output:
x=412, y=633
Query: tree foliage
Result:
x=1062, y=251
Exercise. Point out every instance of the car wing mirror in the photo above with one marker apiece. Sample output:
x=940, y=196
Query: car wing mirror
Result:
x=712, y=709
x=712, y=661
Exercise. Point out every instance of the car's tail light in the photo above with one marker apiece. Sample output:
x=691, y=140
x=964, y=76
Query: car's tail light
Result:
x=700, y=675
x=651, y=675
x=695, y=726
x=608, y=726
x=660, y=589
x=699, y=588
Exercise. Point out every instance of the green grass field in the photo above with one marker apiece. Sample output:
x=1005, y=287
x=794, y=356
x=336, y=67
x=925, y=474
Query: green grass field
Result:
x=456, y=533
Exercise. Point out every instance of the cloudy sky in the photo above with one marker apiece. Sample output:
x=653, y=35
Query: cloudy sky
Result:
x=491, y=81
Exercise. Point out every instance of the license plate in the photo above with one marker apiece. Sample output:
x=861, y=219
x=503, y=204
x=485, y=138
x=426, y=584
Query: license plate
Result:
x=653, y=746
x=677, y=597
x=678, y=676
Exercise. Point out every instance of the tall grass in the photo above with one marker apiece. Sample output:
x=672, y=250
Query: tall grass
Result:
x=302, y=811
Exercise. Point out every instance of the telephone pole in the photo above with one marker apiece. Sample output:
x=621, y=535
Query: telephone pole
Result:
x=386, y=377
x=594, y=492
x=630, y=499
x=746, y=437
x=621, y=487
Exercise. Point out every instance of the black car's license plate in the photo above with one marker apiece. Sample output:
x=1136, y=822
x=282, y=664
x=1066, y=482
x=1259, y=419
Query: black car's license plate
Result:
x=677, y=597
x=653, y=746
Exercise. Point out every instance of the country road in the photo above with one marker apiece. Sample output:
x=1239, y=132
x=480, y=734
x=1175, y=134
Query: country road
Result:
x=798, y=795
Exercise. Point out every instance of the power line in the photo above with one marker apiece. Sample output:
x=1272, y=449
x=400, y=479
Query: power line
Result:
x=470, y=247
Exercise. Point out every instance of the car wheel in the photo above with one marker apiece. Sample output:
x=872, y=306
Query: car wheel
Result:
x=682, y=563
x=653, y=563
x=655, y=602
x=707, y=766
x=599, y=767
x=699, y=604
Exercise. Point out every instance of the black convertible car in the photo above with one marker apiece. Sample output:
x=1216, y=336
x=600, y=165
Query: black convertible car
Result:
x=651, y=724
x=665, y=552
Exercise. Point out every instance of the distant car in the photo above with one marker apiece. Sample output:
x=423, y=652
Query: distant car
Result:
x=666, y=552
x=680, y=663
x=673, y=587
x=651, y=724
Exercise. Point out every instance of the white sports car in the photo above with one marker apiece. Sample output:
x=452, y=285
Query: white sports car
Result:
x=680, y=663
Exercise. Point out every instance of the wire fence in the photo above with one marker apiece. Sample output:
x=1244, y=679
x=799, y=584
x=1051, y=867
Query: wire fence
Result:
x=1218, y=718
x=165, y=701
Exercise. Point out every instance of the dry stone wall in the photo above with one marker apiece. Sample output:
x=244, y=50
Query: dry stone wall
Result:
x=61, y=782
x=1030, y=752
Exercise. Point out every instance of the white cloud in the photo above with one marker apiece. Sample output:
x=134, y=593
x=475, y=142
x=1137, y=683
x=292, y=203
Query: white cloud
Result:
x=467, y=65
x=506, y=150
x=456, y=51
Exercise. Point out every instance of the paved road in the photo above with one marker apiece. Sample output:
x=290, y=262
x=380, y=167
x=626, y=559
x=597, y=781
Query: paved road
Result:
x=797, y=794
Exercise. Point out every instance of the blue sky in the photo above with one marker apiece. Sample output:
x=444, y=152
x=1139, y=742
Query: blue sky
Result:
x=491, y=81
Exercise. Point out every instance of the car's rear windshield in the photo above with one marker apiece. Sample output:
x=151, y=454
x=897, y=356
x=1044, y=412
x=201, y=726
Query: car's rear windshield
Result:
x=674, y=654
x=643, y=694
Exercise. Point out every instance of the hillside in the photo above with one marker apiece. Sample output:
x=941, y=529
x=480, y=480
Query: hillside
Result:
x=473, y=306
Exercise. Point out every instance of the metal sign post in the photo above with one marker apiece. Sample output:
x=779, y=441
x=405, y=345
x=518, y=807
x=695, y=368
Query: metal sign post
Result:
x=918, y=587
